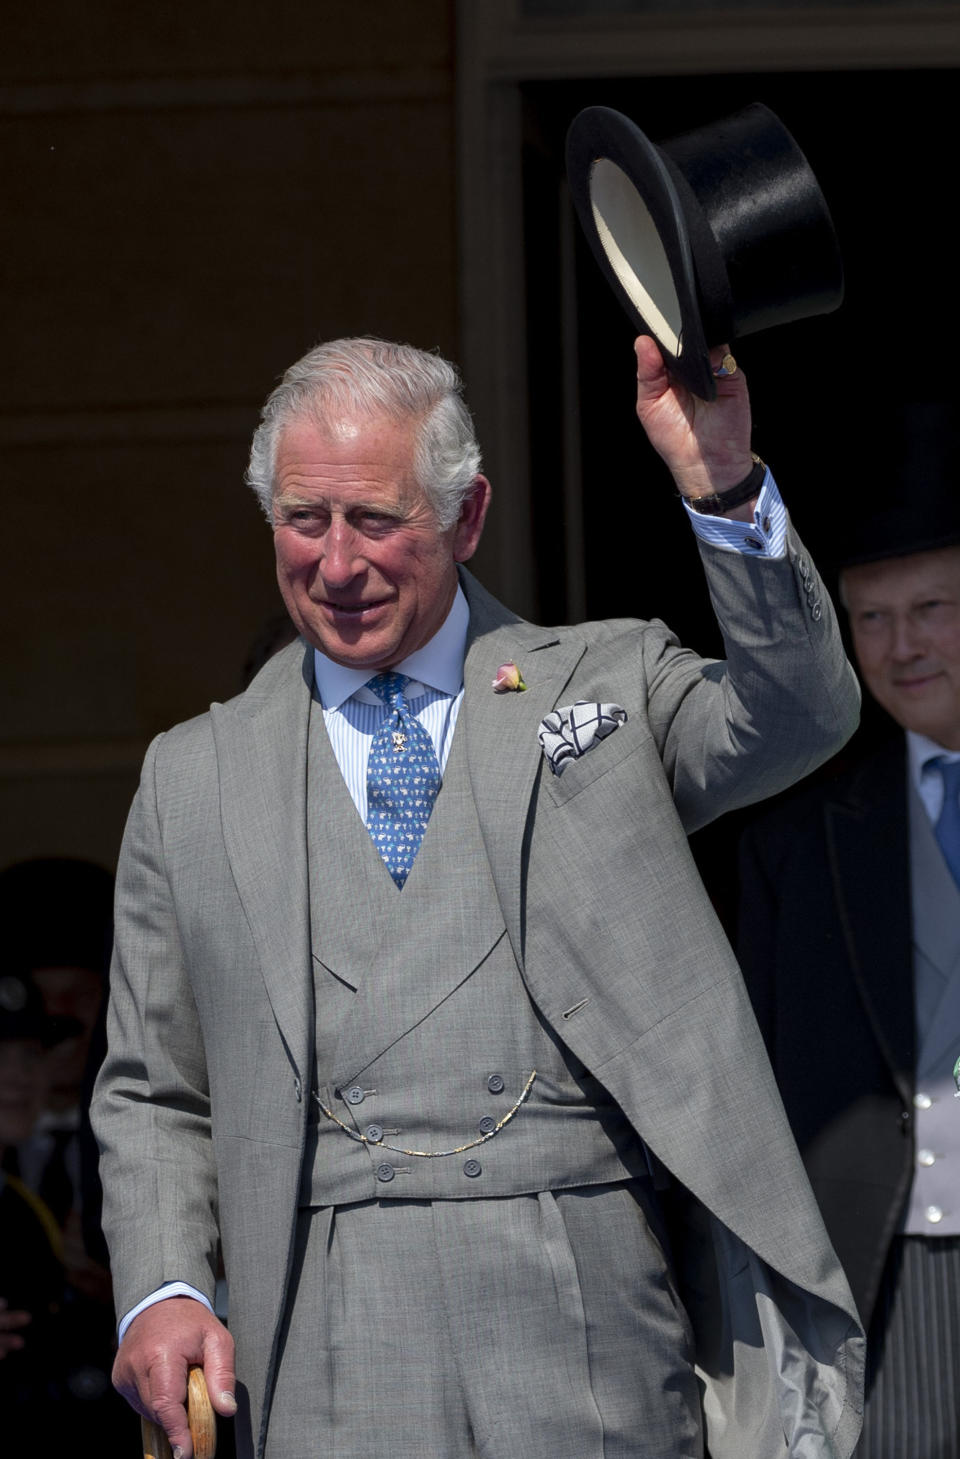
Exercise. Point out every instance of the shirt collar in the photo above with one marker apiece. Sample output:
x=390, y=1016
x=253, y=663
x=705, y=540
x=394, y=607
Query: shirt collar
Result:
x=438, y=663
x=920, y=751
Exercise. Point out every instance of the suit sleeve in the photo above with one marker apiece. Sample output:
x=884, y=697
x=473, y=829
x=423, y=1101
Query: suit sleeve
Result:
x=151, y=1110
x=782, y=700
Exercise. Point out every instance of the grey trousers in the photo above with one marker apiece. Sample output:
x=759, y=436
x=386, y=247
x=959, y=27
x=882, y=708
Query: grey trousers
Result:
x=912, y=1408
x=544, y=1326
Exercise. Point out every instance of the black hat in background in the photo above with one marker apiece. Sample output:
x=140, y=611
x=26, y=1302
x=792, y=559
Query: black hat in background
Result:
x=712, y=235
x=57, y=911
x=900, y=486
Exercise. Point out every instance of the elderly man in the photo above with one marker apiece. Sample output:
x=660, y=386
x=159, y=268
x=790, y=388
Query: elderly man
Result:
x=419, y=1007
x=850, y=942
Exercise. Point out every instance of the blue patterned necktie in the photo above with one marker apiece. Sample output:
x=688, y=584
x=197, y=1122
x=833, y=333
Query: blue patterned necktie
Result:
x=403, y=778
x=947, y=829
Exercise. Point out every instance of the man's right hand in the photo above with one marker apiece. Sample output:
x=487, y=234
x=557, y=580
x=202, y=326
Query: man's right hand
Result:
x=158, y=1348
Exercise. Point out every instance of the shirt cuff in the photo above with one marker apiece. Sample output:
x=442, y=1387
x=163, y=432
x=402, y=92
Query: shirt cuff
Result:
x=765, y=536
x=169, y=1289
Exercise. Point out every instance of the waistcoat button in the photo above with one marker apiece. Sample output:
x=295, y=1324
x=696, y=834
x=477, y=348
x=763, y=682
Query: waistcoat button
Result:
x=385, y=1172
x=495, y=1084
x=355, y=1095
x=374, y=1134
x=487, y=1125
x=472, y=1168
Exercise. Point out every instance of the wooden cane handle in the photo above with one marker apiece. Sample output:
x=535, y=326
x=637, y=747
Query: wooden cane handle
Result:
x=200, y=1416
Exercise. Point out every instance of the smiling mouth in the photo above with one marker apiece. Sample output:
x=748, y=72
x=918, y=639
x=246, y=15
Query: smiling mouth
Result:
x=918, y=681
x=353, y=610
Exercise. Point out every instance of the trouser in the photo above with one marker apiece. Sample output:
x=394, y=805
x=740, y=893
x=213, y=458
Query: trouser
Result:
x=912, y=1408
x=545, y=1325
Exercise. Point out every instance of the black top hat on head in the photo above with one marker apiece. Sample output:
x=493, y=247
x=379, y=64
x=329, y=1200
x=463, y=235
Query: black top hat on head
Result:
x=715, y=234
x=901, y=486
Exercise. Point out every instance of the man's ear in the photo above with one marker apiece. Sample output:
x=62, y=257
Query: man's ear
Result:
x=473, y=514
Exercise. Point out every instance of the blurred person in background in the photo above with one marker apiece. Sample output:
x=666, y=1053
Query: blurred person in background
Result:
x=850, y=945
x=57, y=914
x=31, y=1268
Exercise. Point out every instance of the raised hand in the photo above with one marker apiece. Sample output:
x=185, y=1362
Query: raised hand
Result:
x=705, y=444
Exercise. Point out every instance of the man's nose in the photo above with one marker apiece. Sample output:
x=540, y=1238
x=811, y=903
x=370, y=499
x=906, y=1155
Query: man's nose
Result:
x=907, y=639
x=341, y=560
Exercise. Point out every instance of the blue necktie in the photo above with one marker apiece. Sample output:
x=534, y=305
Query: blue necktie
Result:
x=403, y=779
x=947, y=829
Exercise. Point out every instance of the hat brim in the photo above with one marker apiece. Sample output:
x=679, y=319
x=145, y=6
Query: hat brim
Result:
x=895, y=537
x=630, y=211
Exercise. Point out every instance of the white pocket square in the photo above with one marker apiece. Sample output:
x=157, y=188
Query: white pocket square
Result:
x=570, y=731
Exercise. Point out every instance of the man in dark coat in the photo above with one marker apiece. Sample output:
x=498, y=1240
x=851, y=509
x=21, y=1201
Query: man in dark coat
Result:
x=850, y=944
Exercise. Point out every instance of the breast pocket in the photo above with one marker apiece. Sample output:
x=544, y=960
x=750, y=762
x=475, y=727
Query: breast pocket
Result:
x=599, y=760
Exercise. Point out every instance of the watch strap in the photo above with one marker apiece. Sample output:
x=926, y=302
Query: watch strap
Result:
x=714, y=504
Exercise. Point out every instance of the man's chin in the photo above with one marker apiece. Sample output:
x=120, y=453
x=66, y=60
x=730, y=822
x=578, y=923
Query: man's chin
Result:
x=935, y=721
x=359, y=651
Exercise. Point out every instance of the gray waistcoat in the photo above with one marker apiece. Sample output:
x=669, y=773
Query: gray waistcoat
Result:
x=411, y=1066
x=934, y=1205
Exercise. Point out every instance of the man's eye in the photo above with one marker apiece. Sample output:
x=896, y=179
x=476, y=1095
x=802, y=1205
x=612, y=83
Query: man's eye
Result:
x=303, y=516
x=937, y=610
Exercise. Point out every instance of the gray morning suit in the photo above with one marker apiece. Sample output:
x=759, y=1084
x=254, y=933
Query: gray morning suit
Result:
x=257, y=961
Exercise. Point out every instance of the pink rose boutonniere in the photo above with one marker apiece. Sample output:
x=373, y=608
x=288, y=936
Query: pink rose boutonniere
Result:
x=509, y=680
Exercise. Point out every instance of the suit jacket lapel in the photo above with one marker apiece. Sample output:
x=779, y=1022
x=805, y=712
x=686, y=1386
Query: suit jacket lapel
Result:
x=261, y=743
x=503, y=753
x=868, y=848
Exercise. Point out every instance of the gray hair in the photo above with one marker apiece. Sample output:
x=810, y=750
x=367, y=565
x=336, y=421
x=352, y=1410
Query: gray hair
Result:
x=372, y=377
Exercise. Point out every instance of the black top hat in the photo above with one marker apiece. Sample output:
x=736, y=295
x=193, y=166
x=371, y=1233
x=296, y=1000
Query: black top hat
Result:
x=902, y=483
x=715, y=234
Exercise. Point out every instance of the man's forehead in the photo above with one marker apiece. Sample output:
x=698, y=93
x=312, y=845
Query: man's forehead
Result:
x=305, y=429
x=901, y=576
x=376, y=452
x=346, y=431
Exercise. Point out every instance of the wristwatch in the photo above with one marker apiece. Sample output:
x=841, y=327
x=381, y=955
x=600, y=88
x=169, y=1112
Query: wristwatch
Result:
x=715, y=503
